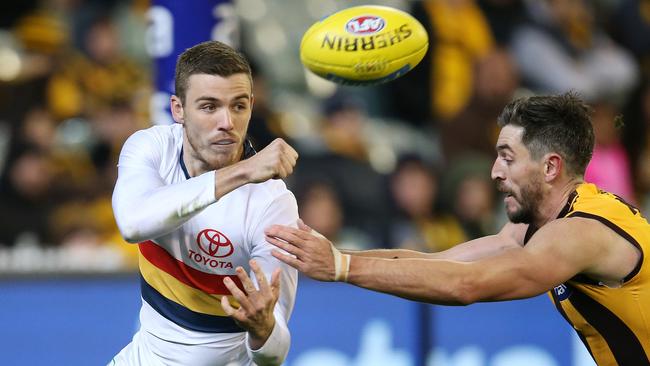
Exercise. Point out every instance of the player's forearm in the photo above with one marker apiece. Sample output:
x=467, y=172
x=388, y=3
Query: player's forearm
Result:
x=431, y=281
x=229, y=178
x=273, y=350
x=148, y=209
x=387, y=253
x=476, y=249
x=464, y=252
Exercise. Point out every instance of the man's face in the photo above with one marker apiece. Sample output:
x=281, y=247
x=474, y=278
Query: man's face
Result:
x=215, y=117
x=518, y=176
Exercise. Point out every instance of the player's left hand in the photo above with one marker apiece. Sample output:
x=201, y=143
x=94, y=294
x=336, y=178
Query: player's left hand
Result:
x=311, y=252
x=255, y=312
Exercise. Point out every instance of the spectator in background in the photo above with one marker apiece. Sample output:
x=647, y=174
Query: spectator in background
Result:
x=630, y=26
x=35, y=40
x=466, y=77
x=473, y=128
x=27, y=197
x=320, y=207
x=441, y=85
x=610, y=166
x=503, y=17
x=563, y=48
x=471, y=195
x=68, y=110
x=266, y=123
x=342, y=156
x=419, y=224
x=38, y=128
x=643, y=161
x=97, y=77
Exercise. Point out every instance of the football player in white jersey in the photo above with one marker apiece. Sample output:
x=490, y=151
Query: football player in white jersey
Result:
x=196, y=198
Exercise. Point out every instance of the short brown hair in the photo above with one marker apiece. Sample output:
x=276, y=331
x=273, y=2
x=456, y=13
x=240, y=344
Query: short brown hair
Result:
x=554, y=123
x=212, y=58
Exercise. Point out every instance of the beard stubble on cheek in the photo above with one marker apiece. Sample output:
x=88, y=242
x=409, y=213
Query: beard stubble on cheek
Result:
x=529, y=198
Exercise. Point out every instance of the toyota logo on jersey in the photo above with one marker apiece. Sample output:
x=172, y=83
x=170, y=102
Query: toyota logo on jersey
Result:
x=214, y=243
x=364, y=25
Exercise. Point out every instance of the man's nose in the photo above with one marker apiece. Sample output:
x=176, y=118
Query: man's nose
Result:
x=225, y=121
x=497, y=172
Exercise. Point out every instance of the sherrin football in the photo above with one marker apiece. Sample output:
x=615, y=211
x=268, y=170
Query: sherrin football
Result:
x=364, y=45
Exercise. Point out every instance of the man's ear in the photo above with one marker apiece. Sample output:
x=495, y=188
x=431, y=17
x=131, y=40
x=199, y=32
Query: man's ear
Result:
x=176, y=107
x=553, y=165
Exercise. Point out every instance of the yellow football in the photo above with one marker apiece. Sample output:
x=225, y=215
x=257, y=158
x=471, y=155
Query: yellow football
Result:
x=364, y=45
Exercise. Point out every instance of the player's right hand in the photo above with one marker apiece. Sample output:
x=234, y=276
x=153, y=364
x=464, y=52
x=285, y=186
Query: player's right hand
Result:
x=309, y=251
x=276, y=161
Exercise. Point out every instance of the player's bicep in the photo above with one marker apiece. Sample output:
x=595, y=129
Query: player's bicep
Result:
x=555, y=254
x=137, y=177
x=138, y=165
x=510, y=236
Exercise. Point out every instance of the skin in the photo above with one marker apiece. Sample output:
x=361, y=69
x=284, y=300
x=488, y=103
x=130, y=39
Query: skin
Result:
x=215, y=118
x=491, y=268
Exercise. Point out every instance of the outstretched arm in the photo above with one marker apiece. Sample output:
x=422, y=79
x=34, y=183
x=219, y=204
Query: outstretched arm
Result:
x=557, y=252
x=511, y=235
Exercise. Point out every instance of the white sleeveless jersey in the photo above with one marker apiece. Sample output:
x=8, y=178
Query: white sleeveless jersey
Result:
x=189, y=243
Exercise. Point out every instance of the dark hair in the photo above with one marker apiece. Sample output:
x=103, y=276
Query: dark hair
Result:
x=212, y=58
x=554, y=123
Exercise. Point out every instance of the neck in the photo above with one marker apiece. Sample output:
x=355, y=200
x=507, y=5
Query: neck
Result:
x=194, y=165
x=556, y=200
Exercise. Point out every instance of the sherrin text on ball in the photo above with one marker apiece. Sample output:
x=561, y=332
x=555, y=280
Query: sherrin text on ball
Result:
x=364, y=45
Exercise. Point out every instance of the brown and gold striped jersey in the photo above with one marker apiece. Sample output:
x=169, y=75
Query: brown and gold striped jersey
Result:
x=613, y=323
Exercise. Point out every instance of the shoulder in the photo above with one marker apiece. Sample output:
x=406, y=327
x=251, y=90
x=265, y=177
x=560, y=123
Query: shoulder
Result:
x=605, y=254
x=583, y=236
x=272, y=195
x=157, y=135
x=271, y=203
x=270, y=190
x=591, y=202
x=152, y=145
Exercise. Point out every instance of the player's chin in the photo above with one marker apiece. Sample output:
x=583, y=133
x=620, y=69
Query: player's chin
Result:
x=222, y=158
x=512, y=208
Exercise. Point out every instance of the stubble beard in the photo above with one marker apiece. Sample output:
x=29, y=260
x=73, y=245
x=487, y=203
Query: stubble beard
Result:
x=211, y=160
x=530, y=198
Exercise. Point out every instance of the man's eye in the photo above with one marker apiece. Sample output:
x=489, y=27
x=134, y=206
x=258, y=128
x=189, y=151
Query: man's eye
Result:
x=207, y=108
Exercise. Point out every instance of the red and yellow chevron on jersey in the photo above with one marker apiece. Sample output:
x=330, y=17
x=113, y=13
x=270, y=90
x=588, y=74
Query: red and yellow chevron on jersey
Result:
x=182, y=294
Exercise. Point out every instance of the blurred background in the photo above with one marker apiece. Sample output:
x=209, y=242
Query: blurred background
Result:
x=402, y=165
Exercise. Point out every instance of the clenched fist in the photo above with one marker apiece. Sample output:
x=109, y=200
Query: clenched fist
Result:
x=274, y=161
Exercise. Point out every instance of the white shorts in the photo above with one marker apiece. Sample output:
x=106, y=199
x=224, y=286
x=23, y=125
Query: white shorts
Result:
x=148, y=350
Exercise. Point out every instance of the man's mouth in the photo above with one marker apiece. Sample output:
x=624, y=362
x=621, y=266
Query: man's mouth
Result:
x=224, y=142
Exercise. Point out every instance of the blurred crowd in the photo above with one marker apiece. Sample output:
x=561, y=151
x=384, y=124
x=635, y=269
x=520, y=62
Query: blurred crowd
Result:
x=406, y=164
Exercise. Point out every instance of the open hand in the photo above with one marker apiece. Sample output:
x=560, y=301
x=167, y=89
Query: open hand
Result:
x=255, y=312
x=309, y=251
